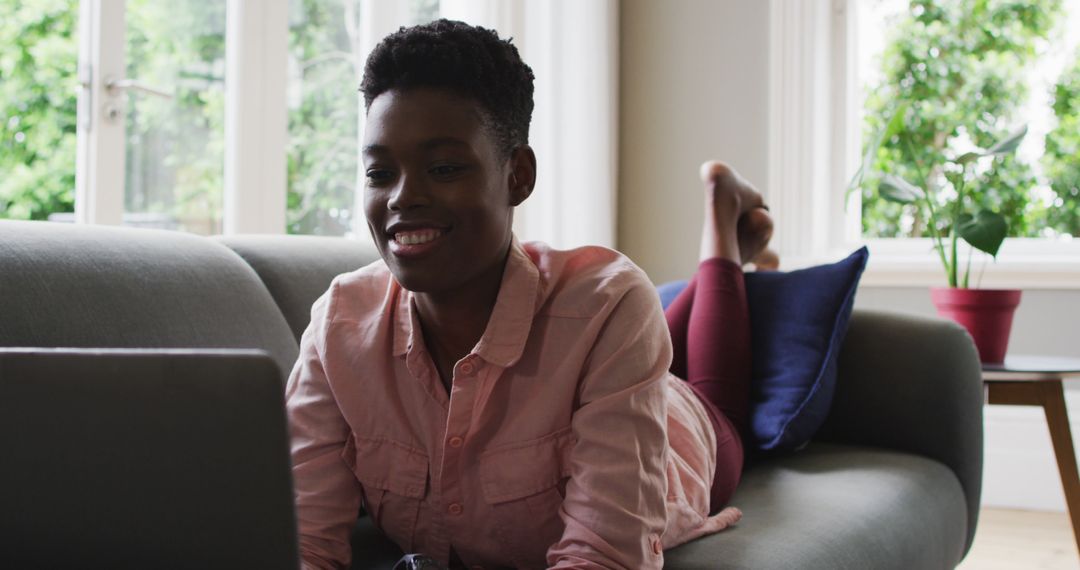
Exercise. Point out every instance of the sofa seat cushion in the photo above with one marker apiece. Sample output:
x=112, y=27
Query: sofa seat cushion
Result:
x=828, y=507
x=836, y=507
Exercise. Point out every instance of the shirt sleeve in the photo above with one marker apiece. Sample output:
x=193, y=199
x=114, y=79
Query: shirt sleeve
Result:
x=615, y=502
x=327, y=492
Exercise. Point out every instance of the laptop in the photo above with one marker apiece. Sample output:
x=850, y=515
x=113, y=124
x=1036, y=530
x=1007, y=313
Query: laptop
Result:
x=165, y=458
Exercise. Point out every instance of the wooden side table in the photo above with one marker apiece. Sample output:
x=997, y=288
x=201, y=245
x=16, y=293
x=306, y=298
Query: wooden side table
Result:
x=1037, y=381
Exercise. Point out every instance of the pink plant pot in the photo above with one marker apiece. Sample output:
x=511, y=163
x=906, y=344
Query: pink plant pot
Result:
x=987, y=315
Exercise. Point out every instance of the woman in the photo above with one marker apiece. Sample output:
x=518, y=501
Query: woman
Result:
x=503, y=404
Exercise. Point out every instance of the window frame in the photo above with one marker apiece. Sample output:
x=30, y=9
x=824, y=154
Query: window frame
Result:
x=100, y=152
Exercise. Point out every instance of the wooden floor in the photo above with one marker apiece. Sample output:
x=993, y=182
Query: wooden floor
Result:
x=1022, y=540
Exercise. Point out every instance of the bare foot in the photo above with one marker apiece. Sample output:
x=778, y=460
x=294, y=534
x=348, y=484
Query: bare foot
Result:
x=755, y=229
x=723, y=173
x=737, y=223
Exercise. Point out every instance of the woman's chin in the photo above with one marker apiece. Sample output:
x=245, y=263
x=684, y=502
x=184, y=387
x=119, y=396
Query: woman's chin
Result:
x=416, y=281
x=414, y=274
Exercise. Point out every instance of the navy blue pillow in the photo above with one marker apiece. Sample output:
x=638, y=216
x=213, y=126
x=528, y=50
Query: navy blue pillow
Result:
x=797, y=320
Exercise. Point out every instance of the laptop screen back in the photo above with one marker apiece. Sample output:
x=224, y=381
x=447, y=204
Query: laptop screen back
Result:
x=144, y=459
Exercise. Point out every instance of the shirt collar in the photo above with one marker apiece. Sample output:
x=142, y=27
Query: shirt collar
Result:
x=511, y=320
x=406, y=324
x=516, y=305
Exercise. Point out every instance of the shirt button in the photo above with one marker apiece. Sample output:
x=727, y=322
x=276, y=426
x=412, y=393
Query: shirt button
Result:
x=456, y=509
x=467, y=368
x=456, y=441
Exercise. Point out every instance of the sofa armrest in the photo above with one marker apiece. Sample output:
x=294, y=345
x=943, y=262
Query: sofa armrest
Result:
x=912, y=384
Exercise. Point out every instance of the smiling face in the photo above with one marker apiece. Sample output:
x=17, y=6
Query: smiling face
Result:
x=439, y=196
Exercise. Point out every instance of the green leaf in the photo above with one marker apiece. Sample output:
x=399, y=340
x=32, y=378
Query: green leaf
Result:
x=894, y=126
x=896, y=189
x=896, y=123
x=985, y=231
x=963, y=219
x=969, y=157
x=1008, y=144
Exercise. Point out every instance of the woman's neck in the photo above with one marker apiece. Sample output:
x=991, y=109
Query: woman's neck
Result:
x=454, y=321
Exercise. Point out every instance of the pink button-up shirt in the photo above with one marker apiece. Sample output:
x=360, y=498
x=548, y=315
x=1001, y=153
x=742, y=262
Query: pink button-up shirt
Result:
x=564, y=441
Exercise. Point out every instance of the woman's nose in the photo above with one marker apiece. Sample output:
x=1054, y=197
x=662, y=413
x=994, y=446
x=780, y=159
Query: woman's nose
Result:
x=408, y=193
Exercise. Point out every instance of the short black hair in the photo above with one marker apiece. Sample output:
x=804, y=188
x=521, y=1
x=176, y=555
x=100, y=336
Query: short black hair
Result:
x=469, y=60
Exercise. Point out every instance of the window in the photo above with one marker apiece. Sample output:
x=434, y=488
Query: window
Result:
x=167, y=99
x=970, y=72
x=985, y=68
x=820, y=72
x=242, y=116
x=175, y=143
x=166, y=137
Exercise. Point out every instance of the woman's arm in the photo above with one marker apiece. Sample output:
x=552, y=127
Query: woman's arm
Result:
x=327, y=493
x=615, y=508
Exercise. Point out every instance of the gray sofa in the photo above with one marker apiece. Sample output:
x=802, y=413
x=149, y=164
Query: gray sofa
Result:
x=891, y=481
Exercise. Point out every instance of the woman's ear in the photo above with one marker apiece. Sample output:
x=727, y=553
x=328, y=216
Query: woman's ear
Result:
x=522, y=177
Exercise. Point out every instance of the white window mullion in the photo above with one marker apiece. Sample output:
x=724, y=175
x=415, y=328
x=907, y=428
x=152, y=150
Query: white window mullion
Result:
x=806, y=124
x=847, y=120
x=256, y=116
x=504, y=16
x=380, y=18
x=99, y=173
x=823, y=129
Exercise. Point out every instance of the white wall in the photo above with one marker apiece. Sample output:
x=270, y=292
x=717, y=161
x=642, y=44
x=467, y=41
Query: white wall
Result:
x=693, y=86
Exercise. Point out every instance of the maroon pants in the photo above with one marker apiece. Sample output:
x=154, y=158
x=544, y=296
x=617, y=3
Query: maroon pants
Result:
x=710, y=334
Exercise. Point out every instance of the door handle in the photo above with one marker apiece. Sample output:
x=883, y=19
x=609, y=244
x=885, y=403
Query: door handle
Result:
x=114, y=86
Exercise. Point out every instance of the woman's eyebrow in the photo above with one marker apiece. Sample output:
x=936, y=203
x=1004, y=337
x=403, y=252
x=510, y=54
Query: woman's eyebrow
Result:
x=375, y=149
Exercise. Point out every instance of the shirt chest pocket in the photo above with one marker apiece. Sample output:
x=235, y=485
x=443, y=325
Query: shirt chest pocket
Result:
x=525, y=484
x=394, y=479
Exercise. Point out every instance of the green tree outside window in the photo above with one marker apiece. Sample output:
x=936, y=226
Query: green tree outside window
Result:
x=959, y=67
x=1062, y=158
x=38, y=80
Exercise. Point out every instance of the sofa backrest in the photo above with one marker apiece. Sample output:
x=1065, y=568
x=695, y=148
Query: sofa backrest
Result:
x=297, y=270
x=83, y=286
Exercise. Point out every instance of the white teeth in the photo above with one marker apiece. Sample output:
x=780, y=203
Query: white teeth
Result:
x=416, y=237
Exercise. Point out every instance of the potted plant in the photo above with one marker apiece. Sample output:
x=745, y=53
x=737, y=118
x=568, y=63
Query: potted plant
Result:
x=986, y=313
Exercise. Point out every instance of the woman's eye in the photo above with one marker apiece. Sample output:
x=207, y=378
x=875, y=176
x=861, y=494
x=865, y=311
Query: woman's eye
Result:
x=377, y=176
x=446, y=169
